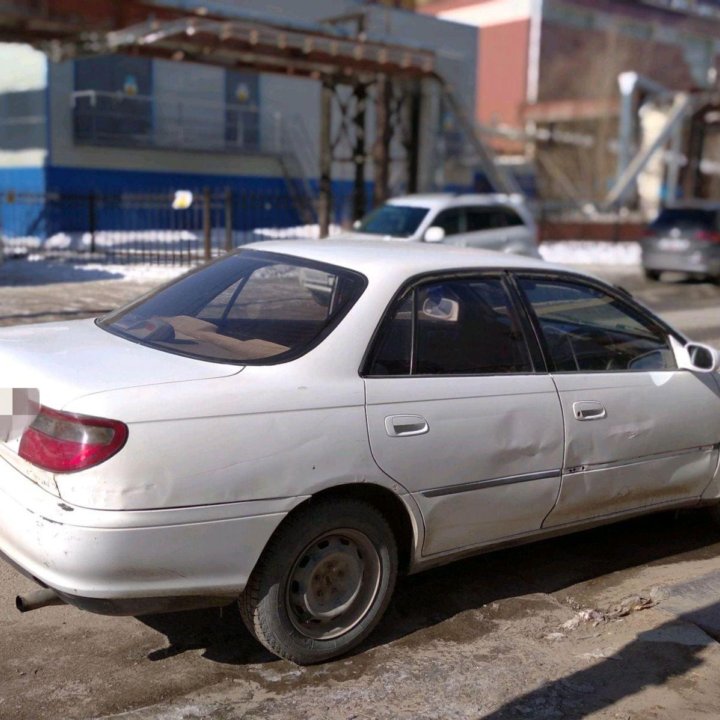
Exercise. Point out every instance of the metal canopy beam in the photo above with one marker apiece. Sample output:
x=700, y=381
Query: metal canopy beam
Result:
x=285, y=49
x=300, y=52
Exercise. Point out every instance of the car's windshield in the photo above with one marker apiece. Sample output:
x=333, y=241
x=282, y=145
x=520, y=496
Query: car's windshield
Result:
x=686, y=218
x=250, y=307
x=395, y=220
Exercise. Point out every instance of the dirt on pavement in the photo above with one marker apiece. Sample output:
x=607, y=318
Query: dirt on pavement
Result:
x=567, y=628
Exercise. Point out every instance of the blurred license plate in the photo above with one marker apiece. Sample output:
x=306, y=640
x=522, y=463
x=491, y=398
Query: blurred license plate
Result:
x=674, y=244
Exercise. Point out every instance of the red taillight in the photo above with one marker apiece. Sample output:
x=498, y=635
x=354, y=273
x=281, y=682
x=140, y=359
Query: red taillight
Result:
x=708, y=236
x=63, y=442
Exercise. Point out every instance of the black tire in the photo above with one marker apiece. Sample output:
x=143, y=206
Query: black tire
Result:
x=323, y=582
x=653, y=275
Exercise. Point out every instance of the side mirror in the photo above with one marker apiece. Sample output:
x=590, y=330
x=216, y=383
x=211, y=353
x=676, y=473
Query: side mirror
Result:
x=434, y=234
x=695, y=356
x=703, y=358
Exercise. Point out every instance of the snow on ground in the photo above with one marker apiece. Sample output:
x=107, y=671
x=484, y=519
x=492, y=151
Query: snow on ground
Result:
x=36, y=269
x=590, y=252
x=119, y=240
x=135, y=273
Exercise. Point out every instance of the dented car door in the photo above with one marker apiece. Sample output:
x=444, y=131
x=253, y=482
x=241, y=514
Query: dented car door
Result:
x=639, y=431
x=457, y=415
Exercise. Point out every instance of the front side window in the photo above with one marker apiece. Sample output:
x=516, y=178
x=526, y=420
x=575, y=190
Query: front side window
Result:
x=250, y=307
x=450, y=221
x=394, y=220
x=452, y=327
x=588, y=330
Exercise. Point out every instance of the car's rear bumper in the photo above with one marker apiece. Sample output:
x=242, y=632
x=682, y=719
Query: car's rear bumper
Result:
x=126, y=562
x=700, y=261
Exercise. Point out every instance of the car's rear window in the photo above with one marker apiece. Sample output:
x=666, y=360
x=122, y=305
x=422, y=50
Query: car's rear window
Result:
x=694, y=218
x=250, y=307
x=395, y=220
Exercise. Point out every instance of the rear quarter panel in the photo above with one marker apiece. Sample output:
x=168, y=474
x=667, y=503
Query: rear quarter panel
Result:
x=265, y=433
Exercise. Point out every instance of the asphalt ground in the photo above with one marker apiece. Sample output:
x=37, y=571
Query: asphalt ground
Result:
x=617, y=623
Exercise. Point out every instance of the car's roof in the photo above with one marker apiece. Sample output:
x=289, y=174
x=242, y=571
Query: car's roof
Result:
x=438, y=200
x=381, y=257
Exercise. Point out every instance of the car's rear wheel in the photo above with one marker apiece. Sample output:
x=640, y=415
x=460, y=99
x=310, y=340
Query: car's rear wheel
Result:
x=323, y=582
x=652, y=274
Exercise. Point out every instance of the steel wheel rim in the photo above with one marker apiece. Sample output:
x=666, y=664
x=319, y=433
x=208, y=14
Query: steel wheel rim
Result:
x=333, y=584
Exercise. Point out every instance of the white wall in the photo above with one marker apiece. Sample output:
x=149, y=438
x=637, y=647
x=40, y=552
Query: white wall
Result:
x=203, y=116
x=23, y=79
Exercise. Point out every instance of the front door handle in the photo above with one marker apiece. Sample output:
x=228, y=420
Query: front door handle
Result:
x=589, y=410
x=406, y=425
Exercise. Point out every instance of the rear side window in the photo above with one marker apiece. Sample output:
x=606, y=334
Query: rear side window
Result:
x=588, y=330
x=512, y=219
x=248, y=308
x=490, y=218
x=453, y=327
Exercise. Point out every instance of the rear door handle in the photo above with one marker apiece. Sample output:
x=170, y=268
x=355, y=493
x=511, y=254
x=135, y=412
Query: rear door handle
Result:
x=589, y=410
x=406, y=425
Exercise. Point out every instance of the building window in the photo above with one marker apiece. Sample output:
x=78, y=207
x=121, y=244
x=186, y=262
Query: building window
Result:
x=242, y=110
x=113, y=100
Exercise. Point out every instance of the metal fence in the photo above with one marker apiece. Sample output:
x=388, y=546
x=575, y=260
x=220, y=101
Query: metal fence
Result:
x=145, y=228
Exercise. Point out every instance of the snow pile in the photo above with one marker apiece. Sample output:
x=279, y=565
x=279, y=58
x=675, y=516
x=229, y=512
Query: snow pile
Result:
x=19, y=246
x=122, y=238
x=135, y=273
x=589, y=252
x=38, y=270
x=304, y=232
x=154, y=239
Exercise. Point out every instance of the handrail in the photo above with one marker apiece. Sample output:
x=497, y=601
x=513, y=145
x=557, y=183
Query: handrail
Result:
x=93, y=95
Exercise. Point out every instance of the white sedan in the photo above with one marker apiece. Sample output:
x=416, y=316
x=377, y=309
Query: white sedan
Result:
x=236, y=436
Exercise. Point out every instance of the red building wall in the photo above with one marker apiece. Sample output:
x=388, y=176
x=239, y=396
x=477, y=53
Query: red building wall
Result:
x=502, y=72
x=502, y=60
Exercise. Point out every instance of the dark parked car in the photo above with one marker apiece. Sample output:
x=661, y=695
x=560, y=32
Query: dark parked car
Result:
x=684, y=238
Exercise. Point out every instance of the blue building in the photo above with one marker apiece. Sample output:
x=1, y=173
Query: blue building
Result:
x=115, y=124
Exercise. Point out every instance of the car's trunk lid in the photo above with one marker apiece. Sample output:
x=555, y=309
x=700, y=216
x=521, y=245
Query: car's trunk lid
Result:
x=67, y=360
